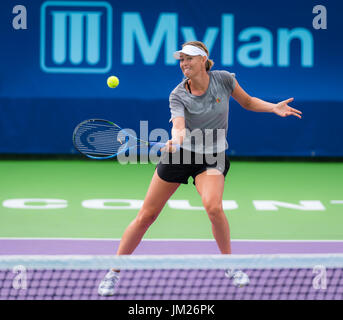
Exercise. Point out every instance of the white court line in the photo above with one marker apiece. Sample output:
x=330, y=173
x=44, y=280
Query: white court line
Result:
x=172, y=240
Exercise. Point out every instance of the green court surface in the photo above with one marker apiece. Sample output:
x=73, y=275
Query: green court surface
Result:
x=280, y=185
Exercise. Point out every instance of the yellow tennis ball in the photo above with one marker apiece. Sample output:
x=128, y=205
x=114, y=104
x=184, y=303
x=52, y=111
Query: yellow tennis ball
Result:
x=112, y=81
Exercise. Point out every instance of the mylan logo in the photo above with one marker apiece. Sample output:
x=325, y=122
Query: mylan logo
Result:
x=76, y=37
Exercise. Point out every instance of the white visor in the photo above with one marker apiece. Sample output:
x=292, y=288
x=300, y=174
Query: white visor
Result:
x=191, y=51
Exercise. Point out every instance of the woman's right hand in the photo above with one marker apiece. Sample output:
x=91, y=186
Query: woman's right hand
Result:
x=170, y=147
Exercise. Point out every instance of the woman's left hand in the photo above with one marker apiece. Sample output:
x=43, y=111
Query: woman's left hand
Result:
x=282, y=109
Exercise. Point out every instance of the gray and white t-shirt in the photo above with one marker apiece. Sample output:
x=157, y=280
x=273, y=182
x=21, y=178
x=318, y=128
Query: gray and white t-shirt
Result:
x=206, y=116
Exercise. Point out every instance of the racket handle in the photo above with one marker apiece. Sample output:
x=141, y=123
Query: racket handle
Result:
x=161, y=145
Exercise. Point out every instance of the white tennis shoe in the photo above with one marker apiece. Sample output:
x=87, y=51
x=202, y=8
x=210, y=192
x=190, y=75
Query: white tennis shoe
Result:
x=239, y=278
x=108, y=285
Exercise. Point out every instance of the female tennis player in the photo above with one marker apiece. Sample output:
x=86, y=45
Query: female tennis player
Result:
x=199, y=108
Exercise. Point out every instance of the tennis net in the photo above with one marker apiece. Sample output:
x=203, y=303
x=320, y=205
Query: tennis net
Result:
x=173, y=277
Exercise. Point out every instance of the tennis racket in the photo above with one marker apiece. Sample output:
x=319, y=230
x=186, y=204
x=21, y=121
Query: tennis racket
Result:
x=103, y=139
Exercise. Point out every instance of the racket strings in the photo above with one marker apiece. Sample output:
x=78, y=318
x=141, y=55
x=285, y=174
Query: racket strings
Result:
x=99, y=138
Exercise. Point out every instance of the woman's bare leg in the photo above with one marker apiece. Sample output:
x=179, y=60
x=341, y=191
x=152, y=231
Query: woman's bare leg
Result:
x=157, y=195
x=211, y=188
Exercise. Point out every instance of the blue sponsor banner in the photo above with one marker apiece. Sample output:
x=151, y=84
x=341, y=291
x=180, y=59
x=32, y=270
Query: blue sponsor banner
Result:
x=55, y=64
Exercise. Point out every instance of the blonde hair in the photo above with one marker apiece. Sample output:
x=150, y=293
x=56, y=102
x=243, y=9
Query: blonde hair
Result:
x=209, y=63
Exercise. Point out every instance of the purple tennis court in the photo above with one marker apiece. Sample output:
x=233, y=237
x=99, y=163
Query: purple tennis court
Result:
x=147, y=247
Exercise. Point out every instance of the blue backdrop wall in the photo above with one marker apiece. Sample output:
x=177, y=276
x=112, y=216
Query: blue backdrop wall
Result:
x=54, y=70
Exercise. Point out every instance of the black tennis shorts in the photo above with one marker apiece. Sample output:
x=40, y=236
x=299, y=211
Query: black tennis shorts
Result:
x=180, y=165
